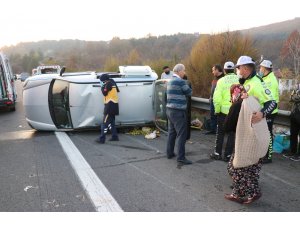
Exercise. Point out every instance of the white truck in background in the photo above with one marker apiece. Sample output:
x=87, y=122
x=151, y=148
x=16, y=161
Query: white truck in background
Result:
x=48, y=69
x=8, y=94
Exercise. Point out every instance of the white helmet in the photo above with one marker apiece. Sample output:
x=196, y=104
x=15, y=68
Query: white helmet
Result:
x=243, y=60
x=267, y=64
x=228, y=65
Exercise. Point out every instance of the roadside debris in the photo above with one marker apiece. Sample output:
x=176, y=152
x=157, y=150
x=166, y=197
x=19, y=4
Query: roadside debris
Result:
x=148, y=132
x=196, y=124
x=29, y=187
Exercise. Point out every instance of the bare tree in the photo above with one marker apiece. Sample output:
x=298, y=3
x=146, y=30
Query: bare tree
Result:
x=291, y=50
x=215, y=49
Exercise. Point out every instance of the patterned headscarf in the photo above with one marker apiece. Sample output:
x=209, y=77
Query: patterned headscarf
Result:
x=236, y=91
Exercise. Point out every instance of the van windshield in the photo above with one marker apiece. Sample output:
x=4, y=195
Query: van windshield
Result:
x=59, y=104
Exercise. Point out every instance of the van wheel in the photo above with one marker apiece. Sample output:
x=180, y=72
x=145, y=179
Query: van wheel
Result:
x=13, y=108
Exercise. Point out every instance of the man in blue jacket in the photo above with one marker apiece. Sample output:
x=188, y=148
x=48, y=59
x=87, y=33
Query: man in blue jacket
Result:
x=177, y=92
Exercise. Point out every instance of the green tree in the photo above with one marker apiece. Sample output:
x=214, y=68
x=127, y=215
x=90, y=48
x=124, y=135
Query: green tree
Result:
x=215, y=49
x=133, y=58
x=111, y=64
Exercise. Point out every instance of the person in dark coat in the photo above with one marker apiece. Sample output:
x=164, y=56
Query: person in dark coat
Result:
x=217, y=72
x=111, y=108
x=294, y=154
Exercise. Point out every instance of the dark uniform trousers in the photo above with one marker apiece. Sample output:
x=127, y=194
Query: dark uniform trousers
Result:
x=108, y=124
x=270, y=121
x=220, y=137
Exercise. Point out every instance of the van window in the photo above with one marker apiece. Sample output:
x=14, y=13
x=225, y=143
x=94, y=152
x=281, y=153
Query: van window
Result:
x=59, y=104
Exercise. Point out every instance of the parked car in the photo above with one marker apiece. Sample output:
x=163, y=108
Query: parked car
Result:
x=8, y=93
x=74, y=100
x=24, y=76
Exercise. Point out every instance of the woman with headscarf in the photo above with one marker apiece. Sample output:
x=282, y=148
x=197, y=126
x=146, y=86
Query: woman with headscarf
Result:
x=250, y=146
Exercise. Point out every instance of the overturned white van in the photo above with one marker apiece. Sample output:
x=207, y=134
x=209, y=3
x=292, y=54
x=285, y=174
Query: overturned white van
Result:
x=74, y=100
x=8, y=93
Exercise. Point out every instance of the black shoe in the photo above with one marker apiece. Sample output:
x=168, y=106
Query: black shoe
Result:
x=215, y=156
x=114, y=139
x=288, y=154
x=210, y=132
x=171, y=156
x=227, y=158
x=295, y=158
x=100, y=142
x=185, y=161
x=266, y=161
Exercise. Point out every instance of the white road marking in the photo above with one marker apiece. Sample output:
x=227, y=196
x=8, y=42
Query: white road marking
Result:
x=283, y=181
x=143, y=143
x=95, y=189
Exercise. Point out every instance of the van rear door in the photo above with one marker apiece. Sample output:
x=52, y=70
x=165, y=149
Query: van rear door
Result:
x=3, y=93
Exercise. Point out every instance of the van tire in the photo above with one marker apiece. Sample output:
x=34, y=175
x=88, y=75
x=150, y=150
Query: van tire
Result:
x=13, y=108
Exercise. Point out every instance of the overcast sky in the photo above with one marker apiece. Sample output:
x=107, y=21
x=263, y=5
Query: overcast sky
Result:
x=35, y=20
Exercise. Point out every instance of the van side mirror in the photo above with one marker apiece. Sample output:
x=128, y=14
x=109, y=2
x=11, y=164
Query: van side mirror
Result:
x=63, y=69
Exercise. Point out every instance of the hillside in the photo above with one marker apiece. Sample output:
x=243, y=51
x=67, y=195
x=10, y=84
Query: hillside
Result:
x=269, y=39
x=88, y=55
x=96, y=55
x=274, y=31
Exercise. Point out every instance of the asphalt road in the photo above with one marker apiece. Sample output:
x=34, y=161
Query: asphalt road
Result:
x=36, y=174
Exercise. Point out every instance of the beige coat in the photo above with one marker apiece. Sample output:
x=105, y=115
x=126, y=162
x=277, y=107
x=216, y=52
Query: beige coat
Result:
x=252, y=140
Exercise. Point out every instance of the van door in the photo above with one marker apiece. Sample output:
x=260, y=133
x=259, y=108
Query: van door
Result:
x=3, y=93
x=10, y=79
x=135, y=102
x=160, y=102
x=59, y=104
x=7, y=84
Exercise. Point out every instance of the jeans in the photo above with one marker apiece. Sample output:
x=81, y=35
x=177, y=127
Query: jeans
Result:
x=177, y=129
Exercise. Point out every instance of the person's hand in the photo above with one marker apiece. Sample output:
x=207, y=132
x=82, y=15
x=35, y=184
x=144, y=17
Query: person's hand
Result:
x=256, y=117
x=244, y=95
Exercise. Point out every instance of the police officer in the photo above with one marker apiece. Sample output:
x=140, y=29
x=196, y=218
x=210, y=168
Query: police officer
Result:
x=255, y=86
x=271, y=82
x=221, y=100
